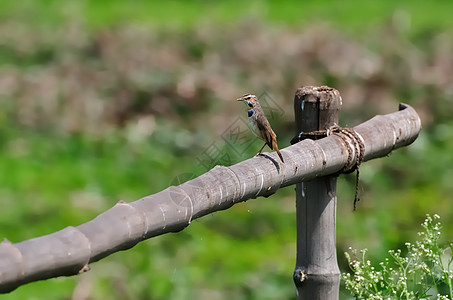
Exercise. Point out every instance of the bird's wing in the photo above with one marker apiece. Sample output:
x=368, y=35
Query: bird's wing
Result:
x=267, y=133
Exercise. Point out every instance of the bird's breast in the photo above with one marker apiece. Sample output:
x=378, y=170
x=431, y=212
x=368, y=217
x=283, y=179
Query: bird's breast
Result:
x=253, y=123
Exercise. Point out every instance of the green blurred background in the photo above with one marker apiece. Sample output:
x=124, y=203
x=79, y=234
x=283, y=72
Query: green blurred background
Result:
x=109, y=100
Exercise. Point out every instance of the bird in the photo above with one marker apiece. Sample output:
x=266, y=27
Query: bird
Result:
x=259, y=124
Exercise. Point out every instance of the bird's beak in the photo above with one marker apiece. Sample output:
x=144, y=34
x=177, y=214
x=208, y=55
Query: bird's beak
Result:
x=239, y=99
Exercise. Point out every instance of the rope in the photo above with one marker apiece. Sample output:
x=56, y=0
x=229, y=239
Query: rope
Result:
x=359, y=150
x=354, y=144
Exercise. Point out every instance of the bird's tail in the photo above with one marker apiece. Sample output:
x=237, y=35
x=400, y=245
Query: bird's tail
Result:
x=278, y=151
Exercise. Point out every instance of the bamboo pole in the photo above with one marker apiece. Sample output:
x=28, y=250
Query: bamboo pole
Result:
x=71, y=250
x=316, y=275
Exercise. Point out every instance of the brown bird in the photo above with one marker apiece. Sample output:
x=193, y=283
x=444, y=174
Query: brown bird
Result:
x=259, y=124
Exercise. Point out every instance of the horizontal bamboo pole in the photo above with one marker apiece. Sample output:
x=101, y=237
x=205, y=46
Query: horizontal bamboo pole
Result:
x=70, y=250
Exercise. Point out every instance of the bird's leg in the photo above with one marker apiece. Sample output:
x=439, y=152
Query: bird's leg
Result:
x=261, y=149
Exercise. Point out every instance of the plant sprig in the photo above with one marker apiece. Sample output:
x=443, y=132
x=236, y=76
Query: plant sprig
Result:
x=424, y=272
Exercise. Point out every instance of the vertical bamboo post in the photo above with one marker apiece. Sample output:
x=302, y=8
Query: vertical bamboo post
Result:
x=316, y=275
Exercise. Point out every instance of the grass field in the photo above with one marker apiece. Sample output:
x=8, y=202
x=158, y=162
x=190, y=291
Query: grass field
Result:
x=351, y=16
x=109, y=100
